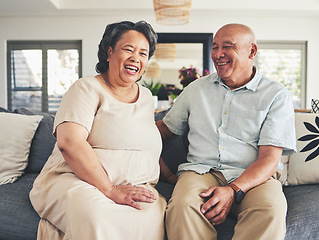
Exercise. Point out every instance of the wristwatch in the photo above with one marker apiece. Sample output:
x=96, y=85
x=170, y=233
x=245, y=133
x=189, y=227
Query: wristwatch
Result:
x=239, y=194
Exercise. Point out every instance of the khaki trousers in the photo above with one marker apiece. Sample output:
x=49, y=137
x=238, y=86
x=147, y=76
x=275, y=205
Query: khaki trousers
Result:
x=261, y=215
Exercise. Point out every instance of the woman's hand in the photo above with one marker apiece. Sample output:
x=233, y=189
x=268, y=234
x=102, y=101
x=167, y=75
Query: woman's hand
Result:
x=130, y=195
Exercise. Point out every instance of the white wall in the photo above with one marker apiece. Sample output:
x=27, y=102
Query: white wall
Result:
x=89, y=29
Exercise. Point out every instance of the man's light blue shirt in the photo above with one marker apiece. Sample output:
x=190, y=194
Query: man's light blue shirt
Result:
x=227, y=126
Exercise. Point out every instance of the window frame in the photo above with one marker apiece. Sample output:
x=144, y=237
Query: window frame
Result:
x=44, y=45
x=289, y=44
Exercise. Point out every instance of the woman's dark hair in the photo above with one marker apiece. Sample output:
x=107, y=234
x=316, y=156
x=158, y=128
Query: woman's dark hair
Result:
x=112, y=34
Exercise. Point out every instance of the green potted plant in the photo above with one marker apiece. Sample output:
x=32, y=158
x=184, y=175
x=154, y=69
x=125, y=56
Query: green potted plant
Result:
x=154, y=88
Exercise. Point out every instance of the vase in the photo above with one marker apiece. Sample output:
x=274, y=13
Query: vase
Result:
x=155, y=98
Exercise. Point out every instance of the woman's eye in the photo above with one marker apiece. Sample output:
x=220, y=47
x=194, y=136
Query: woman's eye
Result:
x=144, y=54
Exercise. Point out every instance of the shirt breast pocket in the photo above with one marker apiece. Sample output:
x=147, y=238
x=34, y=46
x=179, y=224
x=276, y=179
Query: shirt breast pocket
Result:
x=247, y=123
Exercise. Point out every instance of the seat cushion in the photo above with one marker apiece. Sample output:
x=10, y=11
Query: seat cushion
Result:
x=17, y=216
x=303, y=211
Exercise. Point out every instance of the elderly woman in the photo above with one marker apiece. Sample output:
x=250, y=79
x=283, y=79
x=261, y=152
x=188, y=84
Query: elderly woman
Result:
x=99, y=181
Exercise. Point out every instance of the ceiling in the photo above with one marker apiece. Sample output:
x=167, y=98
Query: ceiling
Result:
x=145, y=7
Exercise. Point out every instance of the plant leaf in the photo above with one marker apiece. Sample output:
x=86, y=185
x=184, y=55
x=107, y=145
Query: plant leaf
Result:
x=310, y=146
x=308, y=137
x=310, y=127
x=312, y=155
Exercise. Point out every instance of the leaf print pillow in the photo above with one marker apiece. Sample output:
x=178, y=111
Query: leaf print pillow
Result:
x=303, y=165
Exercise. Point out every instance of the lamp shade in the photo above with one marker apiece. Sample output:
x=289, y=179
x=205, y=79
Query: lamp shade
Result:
x=172, y=12
x=165, y=51
x=153, y=70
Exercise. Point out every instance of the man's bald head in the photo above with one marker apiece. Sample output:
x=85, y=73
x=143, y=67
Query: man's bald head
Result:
x=236, y=29
x=233, y=53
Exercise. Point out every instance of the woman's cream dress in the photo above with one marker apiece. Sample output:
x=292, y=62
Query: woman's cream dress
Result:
x=125, y=139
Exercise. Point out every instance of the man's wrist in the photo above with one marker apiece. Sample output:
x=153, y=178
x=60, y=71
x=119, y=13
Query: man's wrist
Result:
x=239, y=194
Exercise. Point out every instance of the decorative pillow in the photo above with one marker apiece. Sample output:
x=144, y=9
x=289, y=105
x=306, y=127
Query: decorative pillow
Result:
x=16, y=133
x=282, y=170
x=315, y=106
x=42, y=142
x=303, y=166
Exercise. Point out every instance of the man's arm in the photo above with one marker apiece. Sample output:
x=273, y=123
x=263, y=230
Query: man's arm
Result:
x=260, y=170
x=257, y=173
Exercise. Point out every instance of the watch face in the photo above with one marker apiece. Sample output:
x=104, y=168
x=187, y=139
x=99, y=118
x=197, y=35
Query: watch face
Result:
x=239, y=196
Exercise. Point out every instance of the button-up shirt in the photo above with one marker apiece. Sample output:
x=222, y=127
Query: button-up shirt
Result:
x=226, y=127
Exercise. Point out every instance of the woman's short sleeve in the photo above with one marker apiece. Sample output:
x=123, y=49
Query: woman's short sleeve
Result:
x=79, y=104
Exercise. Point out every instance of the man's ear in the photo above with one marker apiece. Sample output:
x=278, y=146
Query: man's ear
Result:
x=253, y=51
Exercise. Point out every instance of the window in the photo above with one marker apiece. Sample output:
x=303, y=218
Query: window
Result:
x=285, y=61
x=40, y=72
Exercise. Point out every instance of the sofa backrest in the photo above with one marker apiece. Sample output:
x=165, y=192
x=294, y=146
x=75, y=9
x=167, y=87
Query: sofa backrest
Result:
x=175, y=149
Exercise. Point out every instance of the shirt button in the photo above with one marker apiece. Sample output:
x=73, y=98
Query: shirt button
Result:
x=222, y=148
x=225, y=112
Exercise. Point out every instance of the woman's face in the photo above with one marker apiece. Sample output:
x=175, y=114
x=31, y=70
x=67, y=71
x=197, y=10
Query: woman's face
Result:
x=129, y=58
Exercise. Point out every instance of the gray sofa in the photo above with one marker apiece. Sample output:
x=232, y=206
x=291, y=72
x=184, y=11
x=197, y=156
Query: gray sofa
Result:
x=18, y=220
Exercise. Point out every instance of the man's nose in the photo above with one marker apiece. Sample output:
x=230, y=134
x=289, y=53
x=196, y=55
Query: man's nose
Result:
x=219, y=53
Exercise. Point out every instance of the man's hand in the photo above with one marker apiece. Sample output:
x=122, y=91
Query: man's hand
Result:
x=130, y=195
x=219, y=203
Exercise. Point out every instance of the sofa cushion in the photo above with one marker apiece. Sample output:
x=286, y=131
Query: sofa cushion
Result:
x=3, y=110
x=16, y=134
x=43, y=141
x=302, y=216
x=18, y=218
x=303, y=166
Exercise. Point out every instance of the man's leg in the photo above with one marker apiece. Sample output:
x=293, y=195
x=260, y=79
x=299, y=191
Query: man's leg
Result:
x=183, y=217
x=262, y=213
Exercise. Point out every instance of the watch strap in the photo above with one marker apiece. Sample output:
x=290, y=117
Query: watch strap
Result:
x=234, y=187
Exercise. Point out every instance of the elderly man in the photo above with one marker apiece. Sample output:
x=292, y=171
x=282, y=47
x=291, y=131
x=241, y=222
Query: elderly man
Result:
x=240, y=123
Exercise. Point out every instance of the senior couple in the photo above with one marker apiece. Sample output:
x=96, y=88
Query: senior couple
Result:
x=99, y=181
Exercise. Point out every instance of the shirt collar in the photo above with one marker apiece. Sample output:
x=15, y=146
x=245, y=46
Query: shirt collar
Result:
x=251, y=85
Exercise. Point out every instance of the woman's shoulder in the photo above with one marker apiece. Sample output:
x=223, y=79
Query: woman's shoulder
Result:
x=88, y=83
x=144, y=91
x=88, y=80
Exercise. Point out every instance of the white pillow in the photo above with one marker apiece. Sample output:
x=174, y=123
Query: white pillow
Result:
x=282, y=170
x=303, y=166
x=16, y=134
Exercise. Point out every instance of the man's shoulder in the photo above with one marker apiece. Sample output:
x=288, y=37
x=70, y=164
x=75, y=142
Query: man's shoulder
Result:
x=270, y=85
x=204, y=81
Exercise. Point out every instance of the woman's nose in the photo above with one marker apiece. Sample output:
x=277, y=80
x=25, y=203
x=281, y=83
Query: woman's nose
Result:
x=134, y=57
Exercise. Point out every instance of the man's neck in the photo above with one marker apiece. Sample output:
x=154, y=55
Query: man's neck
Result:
x=236, y=84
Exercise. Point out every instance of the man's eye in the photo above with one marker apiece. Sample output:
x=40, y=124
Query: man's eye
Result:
x=215, y=48
x=227, y=47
